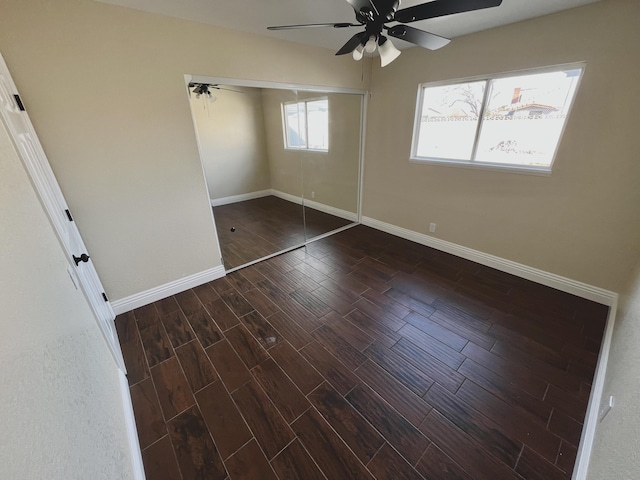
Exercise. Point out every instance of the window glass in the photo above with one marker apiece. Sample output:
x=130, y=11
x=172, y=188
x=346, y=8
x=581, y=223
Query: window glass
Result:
x=307, y=125
x=295, y=123
x=508, y=120
x=524, y=118
x=449, y=120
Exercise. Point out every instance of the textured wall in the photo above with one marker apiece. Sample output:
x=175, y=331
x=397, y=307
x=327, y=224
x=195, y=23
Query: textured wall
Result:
x=60, y=403
x=617, y=441
x=582, y=221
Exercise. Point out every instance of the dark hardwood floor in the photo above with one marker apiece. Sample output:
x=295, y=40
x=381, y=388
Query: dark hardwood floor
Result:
x=362, y=356
x=267, y=225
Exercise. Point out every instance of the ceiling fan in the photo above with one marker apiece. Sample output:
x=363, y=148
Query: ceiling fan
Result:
x=204, y=90
x=374, y=15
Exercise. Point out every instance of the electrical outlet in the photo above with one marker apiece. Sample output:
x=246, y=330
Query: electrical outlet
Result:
x=432, y=227
x=313, y=194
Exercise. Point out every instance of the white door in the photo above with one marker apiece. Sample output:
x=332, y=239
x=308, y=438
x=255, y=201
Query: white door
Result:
x=35, y=161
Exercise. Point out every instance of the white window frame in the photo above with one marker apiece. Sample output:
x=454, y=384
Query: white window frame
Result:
x=502, y=167
x=306, y=125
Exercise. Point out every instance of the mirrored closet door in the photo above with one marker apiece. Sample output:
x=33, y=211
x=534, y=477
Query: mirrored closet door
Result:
x=282, y=165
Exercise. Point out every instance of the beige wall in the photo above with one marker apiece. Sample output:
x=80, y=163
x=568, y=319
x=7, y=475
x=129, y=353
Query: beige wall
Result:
x=617, y=441
x=232, y=144
x=104, y=87
x=582, y=222
x=91, y=75
x=58, y=376
x=285, y=165
x=242, y=147
x=333, y=176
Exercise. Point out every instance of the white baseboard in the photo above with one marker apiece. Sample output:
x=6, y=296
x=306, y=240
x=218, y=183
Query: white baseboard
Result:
x=351, y=216
x=552, y=280
x=158, y=293
x=132, y=431
x=336, y=212
x=216, y=202
x=595, y=398
x=286, y=196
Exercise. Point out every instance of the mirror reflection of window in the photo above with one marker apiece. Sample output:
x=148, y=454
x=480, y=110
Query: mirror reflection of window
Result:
x=307, y=125
x=273, y=182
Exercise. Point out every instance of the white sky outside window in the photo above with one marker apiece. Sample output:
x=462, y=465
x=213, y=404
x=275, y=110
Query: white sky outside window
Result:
x=296, y=127
x=498, y=121
x=524, y=118
x=307, y=125
x=450, y=115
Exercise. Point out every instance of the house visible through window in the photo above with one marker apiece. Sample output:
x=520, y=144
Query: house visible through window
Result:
x=508, y=121
x=306, y=125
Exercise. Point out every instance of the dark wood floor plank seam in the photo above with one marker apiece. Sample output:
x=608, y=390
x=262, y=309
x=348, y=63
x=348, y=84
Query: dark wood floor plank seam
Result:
x=302, y=467
x=161, y=461
x=345, y=467
x=184, y=391
x=140, y=351
x=330, y=367
x=478, y=427
x=357, y=433
x=392, y=466
x=195, y=450
x=347, y=335
x=265, y=421
x=407, y=403
x=437, y=464
x=381, y=415
x=223, y=423
x=249, y=462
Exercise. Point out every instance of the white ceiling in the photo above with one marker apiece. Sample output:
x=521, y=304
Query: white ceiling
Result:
x=255, y=15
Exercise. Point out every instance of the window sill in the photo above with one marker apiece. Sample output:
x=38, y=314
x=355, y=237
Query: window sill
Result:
x=496, y=167
x=314, y=150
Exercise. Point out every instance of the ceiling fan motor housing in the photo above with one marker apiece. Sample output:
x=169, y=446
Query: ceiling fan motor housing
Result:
x=392, y=12
x=375, y=14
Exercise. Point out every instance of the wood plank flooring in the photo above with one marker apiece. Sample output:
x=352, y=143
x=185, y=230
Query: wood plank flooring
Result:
x=267, y=225
x=362, y=356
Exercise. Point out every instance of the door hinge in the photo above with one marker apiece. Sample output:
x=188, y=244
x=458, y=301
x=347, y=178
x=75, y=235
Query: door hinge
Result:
x=104, y=295
x=19, y=102
x=69, y=215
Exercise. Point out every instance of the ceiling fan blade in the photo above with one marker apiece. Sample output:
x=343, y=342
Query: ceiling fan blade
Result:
x=440, y=8
x=419, y=37
x=359, y=4
x=313, y=25
x=385, y=8
x=376, y=8
x=353, y=42
x=218, y=87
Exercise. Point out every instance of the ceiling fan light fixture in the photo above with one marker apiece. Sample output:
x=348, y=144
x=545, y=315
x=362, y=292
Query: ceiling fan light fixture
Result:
x=358, y=52
x=374, y=15
x=371, y=45
x=388, y=51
